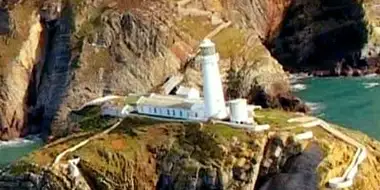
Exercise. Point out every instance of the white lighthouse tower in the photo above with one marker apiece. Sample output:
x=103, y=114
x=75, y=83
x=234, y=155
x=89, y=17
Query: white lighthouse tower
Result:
x=215, y=106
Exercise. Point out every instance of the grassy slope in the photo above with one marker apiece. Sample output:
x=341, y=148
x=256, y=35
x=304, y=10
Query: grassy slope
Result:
x=134, y=140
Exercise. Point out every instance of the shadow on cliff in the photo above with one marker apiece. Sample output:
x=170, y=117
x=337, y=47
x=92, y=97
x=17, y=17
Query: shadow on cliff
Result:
x=298, y=173
x=321, y=35
x=51, y=82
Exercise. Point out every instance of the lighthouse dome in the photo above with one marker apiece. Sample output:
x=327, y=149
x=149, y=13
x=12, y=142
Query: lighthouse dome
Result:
x=207, y=47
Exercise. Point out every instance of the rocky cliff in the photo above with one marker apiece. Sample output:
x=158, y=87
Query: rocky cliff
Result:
x=79, y=50
x=328, y=38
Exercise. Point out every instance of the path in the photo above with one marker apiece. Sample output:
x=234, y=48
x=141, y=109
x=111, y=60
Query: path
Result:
x=183, y=11
x=346, y=180
x=74, y=148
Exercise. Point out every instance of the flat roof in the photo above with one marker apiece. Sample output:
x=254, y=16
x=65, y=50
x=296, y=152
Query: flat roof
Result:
x=237, y=100
x=185, y=90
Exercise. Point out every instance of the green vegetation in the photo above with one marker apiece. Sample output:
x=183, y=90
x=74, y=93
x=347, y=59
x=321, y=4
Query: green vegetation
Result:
x=229, y=42
x=90, y=119
x=197, y=27
x=93, y=60
x=257, y=53
x=92, y=21
x=275, y=118
x=46, y=155
x=22, y=167
x=96, y=123
x=132, y=99
x=225, y=133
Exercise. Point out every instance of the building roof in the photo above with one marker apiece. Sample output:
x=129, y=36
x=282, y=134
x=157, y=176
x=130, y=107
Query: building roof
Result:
x=238, y=100
x=185, y=90
x=168, y=101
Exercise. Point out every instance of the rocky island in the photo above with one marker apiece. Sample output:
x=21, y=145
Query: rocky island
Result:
x=55, y=55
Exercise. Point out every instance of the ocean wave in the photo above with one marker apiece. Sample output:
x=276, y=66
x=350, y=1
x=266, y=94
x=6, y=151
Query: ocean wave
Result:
x=373, y=75
x=298, y=76
x=370, y=84
x=315, y=107
x=298, y=87
x=20, y=142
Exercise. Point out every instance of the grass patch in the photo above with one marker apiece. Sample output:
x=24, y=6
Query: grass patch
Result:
x=46, y=155
x=96, y=123
x=132, y=99
x=92, y=60
x=257, y=53
x=88, y=111
x=196, y=26
x=90, y=119
x=229, y=42
x=225, y=133
x=275, y=118
x=22, y=167
x=101, y=153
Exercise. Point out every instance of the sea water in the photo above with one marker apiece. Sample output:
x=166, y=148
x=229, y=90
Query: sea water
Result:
x=11, y=151
x=350, y=102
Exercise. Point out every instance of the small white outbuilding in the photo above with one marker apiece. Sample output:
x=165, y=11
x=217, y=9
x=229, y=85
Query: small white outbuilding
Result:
x=189, y=93
x=239, y=111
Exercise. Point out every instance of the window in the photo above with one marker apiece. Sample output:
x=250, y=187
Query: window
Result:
x=168, y=112
x=180, y=113
x=173, y=111
x=155, y=110
x=196, y=114
x=150, y=110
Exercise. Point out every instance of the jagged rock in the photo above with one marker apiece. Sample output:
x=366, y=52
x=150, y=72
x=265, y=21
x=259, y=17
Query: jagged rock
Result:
x=314, y=37
x=51, y=10
x=240, y=162
x=4, y=22
x=299, y=174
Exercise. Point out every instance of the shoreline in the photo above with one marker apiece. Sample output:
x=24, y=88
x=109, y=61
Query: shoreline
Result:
x=327, y=73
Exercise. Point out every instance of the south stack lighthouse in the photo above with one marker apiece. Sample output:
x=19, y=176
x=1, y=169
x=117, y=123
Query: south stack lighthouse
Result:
x=215, y=106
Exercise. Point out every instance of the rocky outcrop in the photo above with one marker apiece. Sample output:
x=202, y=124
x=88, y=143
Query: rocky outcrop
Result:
x=265, y=17
x=299, y=172
x=25, y=181
x=264, y=83
x=4, y=22
x=313, y=38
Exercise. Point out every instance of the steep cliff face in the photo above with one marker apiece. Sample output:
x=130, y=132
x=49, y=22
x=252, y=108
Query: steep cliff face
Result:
x=20, y=52
x=265, y=17
x=122, y=48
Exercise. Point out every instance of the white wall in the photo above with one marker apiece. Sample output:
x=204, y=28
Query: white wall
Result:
x=164, y=112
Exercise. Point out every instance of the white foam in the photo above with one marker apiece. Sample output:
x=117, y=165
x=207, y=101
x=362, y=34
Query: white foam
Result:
x=315, y=107
x=370, y=84
x=298, y=87
x=20, y=142
x=371, y=75
x=298, y=76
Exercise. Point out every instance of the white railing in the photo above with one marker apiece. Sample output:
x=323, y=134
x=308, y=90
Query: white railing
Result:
x=346, y=180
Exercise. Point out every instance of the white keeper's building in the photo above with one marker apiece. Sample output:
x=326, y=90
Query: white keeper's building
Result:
x=188, y=104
